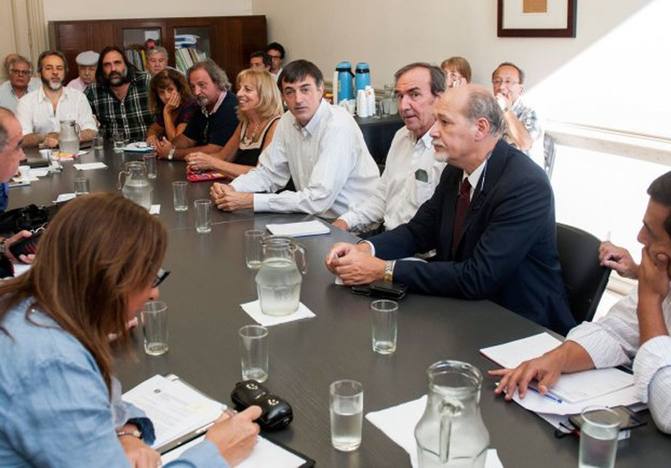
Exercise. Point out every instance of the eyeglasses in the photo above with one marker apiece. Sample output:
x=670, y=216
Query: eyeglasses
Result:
x=499, y=82
x=14, y=71
x=160, y=277
x=275, y=56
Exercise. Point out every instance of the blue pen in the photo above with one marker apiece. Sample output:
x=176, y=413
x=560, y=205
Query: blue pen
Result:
x=549, y=395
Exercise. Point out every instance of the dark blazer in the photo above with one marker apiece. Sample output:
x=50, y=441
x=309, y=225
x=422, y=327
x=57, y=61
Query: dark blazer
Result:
x=508, y=250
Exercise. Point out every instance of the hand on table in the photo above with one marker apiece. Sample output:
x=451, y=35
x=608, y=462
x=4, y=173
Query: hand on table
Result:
x=619, y=259
x=199, y=161
x=227, y=198
x=354, y=264
x=152, y=140
x=235, y=435
x=546, y=369
x=340, y=224
x=139, y=454
x=163, y=148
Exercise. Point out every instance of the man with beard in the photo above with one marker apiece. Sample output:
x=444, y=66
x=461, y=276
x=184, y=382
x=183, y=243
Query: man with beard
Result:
x=120, y=96
x=41, y=111
x=208, y=131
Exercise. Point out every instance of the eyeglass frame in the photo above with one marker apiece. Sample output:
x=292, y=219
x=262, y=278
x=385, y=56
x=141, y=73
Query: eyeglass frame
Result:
x=14, y=71
x=499, y=82
x=161, y=275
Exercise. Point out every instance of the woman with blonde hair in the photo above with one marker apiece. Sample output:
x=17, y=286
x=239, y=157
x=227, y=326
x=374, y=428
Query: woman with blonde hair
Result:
x=259, y=109
x=171, y=103
x=97, y=263
x=457, y=71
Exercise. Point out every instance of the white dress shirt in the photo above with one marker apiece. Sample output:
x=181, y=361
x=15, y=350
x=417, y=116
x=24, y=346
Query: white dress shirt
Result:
x=614, y=340
x=328, y=161
x=77, y=84
x=37, y=115
x=403, y=190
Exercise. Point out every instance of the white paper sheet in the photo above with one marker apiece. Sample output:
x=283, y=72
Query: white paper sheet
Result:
x=39, y=172
x=253, y=309
x=90, y=166
x=571, y=388
x=175, y=408
x=306, y=228
x=63, y=197
x=155, y=209
x=265, y=454
x=398, y=423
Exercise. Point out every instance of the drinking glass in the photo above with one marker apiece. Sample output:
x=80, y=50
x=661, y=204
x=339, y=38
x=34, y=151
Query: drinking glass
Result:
x=150, y=162
x=98, y=142
x=253, y=248
x=119, y=141
x=598, y=437
x=254, y=352
x=203, y=215
x=346, y=408
x=384, y=325
x=179, y=195
x=82, y=186
x=155, y=327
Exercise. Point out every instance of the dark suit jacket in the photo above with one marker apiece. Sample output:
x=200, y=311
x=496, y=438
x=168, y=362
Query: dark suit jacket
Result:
x=508, y=250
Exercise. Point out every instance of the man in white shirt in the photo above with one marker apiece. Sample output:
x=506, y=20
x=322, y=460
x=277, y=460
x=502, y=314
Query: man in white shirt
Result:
x=635, y=329
x=86, y=65
x=319, y=146
x=41, y=111
x=19, y=70
x=411, y=170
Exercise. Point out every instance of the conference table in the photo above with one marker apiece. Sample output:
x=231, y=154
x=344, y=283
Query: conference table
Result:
x=209, y=281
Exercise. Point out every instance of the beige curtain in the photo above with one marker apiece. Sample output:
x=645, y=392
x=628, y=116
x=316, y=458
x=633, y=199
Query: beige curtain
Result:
x=23, y=29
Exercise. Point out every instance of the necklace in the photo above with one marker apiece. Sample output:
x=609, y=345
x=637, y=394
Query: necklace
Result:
x=251, y=133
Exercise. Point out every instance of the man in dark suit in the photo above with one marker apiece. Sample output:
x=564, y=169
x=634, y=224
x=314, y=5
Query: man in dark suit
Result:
x=490, y=220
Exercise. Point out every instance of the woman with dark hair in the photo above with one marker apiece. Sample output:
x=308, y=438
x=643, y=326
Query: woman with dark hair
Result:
x=98, y=263
x=173, y=105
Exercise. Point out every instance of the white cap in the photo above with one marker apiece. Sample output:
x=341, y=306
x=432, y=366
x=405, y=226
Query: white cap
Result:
x=87, y=59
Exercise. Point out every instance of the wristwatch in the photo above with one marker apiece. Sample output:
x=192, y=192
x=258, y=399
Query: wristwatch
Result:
x=389, y=271
x=134, y=433
x=171, y=154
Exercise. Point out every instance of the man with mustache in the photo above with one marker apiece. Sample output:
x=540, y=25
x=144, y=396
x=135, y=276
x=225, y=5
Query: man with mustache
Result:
x=319, y=146
x=491, y=221
x=120, y=96
x=41, y=111
x=208, y=131
x=19, y=70
x=411, y=170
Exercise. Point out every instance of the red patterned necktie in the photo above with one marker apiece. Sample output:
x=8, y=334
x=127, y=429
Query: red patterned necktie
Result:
x=463, y=200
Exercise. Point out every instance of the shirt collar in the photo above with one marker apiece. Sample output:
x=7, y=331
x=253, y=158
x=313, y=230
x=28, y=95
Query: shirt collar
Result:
x=42, y=96
x=474, y=177
x=311, y=127
x=222, y=96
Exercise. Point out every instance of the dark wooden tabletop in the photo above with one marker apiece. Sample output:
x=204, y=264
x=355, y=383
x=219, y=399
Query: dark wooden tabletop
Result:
x=209, y=281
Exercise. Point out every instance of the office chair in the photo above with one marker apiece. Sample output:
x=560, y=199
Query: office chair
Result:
x=585, y=279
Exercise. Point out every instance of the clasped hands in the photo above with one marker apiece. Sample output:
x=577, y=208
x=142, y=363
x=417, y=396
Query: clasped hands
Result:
x=354, y=263
x=226, y=198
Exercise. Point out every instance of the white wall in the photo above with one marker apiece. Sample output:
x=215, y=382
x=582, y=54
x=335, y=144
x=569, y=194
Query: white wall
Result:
x=612, y=74
x=111, y=9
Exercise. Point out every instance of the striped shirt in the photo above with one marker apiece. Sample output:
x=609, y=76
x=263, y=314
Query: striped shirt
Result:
x=529, y=119
x=614, y=340
x=130, y=116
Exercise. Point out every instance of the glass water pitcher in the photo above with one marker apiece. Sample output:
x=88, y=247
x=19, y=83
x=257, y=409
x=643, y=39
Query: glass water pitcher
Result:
x=451, y=433
x=68, y=137
x=134, y=184
x=278, y=281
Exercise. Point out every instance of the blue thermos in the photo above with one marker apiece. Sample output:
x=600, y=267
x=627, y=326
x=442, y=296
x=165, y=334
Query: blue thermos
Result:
x=345, y=91
x=362, y=77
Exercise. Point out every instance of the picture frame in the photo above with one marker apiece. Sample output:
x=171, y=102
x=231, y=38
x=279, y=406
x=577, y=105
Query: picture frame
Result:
x=536, y=18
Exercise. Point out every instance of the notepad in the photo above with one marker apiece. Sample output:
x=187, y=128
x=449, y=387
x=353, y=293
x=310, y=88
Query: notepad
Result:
x=302, y=229
x=571, y=388
x=175, y=408
x=138, y=147
x=90, y=166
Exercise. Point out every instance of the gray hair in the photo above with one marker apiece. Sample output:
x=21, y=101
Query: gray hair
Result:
x=158, y=50
x=12, y=59
x=437, y=75
x=217, y=75
x=4, y=134
x=520, y=72
x=481, y=104
x=52, y=53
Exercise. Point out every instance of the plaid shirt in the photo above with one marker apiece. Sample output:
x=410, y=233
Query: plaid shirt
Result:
x=130, y=116
x=529, y=119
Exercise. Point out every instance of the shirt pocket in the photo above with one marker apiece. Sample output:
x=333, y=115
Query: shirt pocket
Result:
x=423, y=191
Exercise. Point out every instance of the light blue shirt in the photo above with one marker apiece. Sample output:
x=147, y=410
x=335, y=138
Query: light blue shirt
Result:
x=54, y=405
x=9, y=100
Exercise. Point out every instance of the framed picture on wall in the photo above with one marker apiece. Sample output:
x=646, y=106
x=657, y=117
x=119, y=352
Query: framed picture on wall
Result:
x=536, y=18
